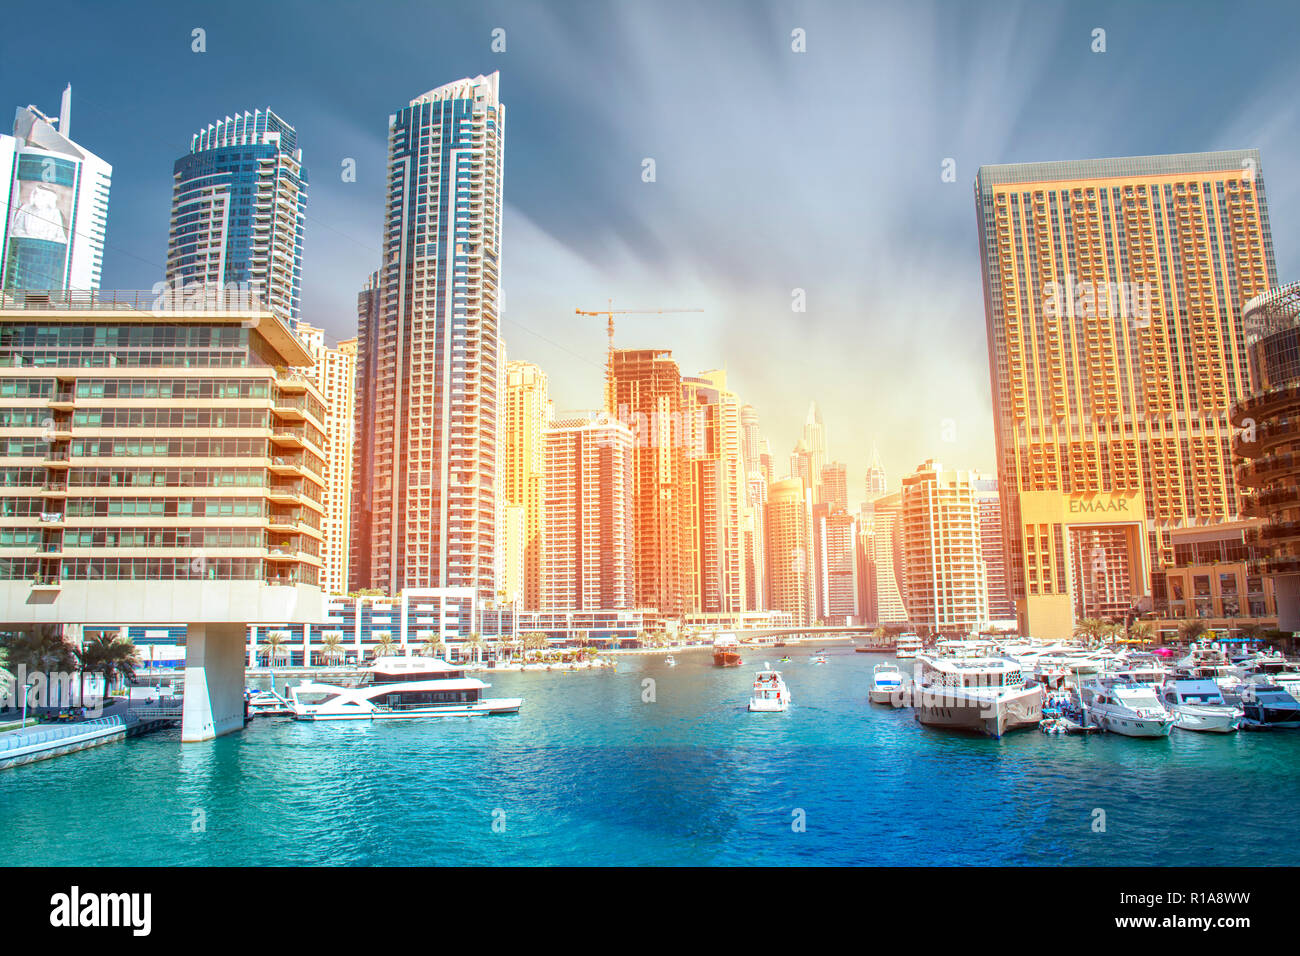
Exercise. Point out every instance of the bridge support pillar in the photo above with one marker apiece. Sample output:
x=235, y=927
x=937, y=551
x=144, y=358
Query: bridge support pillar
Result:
x=214, y=681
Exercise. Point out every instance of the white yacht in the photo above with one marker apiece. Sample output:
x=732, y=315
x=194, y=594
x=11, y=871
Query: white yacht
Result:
x=1199, y=705
x=770, y=695
x=670, y=661
x=400, y=688
x=1267, y=706
x=982, y=694
x=266, y=703
x=818, y=659
x=1272, y=669
x=886, y=683
x=1126, y=707
x=907, y=645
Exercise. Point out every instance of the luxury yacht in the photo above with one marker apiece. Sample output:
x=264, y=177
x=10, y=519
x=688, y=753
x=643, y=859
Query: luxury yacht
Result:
x=1273, y=669
x=400, y=688
x=726, y=651
x=982, y=694
x=1268, y=705
x=907, y=645
x=1199, y=705
x=886, y=683
x=770, y=694
x=1126, y=707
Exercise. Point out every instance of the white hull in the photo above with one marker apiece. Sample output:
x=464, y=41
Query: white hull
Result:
x=482, y=708
x=1128, y=725
x=1220, y=722
x=883, y=695
x=992, y=716
x=768, y=706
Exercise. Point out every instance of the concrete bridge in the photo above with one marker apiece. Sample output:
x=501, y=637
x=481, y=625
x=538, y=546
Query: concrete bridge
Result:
x=826, y=630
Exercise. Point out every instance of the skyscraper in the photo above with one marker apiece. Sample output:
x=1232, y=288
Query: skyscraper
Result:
x=589, y=521
x=334, y=373
x=877, y=485
x=993, y=548
x=528, y=413
x=239, y=208
x=789, y=550
x=714, y=560
x=814, y=443
x=834, y=486
x=835, y=549
x=364, y=466
x=644, y=390
x=882, y=544
x=430, y=347
x=55, y=195
x=1113, y=292
x=946, y=587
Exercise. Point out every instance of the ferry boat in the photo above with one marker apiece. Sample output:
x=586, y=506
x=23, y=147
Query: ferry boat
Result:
x=1126, y=707
x=1199, y=705
x=400, y=688
x=982, y=694
x=770, y=695
x=907, y=645
x=886, y=682
x=726, y=651
x=1266, y=706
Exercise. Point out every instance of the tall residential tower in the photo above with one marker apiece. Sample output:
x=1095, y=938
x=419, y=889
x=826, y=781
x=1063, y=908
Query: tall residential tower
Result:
x=431, y=371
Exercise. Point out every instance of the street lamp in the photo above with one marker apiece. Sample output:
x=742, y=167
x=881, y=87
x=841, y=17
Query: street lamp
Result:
x=26, y=690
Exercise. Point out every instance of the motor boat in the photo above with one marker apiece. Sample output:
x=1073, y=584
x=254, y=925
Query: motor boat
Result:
x=985, y=695
x=1273, y=669
x=770, y=695
x=886, y=683
x=266, y=703
x=907, y=646
x=1266, y=706
x=819, y=659
x=726, y=651
x=1126, y=707
x=1199, y=705
x=400, y=688
x=784, y=660
x=670, y=661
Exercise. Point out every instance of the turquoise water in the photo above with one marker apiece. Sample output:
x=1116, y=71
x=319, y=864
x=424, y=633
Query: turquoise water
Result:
x=588, y=773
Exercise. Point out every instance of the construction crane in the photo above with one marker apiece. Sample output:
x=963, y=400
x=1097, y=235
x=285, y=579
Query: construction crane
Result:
x=611, y=312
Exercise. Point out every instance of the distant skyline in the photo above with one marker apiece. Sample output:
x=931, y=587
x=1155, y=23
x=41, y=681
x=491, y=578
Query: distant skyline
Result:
x=774, y=170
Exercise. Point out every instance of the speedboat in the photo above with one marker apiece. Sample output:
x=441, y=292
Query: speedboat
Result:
x=1267, y=706
x=819, y=659
x=886, y=682
x=726, y=651
x=770, y=695
x=670, y=661
x=784, y=660
x=907, y=645
x=400, y=688
x=1199, y=705
x=1125, y=707
x=986, y=695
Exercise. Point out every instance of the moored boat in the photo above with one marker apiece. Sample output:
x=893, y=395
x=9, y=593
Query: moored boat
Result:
x=1199, y=705
x=1125, y=707
x=886, y=683
x=400, y=688
x=980, y=694
x=907, y=646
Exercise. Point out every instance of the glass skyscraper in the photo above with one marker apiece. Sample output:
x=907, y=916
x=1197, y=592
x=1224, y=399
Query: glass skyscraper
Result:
x=55, y=193
x=239, y=204
x=431, y=372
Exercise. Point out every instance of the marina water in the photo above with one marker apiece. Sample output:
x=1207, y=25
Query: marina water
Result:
x=591, y=773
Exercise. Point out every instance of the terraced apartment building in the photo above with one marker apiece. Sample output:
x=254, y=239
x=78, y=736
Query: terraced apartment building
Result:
x=162, y=441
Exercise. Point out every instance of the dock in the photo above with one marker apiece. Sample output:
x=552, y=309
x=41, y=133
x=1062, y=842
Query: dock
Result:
x=44, y=741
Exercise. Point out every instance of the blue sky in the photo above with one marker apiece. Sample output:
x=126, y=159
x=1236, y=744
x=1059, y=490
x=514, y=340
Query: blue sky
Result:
x=775, y=170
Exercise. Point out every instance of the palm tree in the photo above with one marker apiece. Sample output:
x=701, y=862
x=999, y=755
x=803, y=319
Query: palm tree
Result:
x=1190, y=631
x=331, y=647
x=475, y=643
x=42, y=650
x=384, y=645
x=535, y=641
x=272, y=644
x=1090, y=629
x=1142, y=631
x=116, y=657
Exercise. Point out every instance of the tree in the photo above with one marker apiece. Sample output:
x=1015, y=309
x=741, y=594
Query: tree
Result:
x=475, y=643
x=114, y=657
x=433, y=647
x=331, y=648
x=384, y=645
x=1142, y=631
x=1089, y=629
x=272, y=644
x=42, y=650
x=1190, y=631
